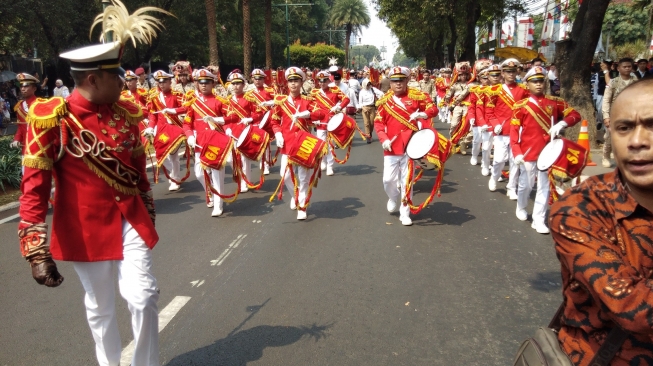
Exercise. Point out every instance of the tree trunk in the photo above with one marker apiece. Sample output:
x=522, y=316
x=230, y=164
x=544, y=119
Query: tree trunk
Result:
x=348, y=35
x=451, y=47
x=213, y=34
x=247, y=40
x=439, y=54
x=473, y=14
x=574, y=58
x=268, y=34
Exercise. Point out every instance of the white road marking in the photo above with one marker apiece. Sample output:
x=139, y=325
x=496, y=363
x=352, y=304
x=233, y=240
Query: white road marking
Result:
x=197, y=282
x=7, y=219
x=234, y=244
x=165, y=316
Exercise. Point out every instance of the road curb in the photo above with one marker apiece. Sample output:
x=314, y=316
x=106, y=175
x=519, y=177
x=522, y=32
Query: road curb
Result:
x=9, y=206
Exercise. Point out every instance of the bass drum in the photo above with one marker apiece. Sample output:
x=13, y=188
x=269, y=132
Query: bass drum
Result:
x=564, y=159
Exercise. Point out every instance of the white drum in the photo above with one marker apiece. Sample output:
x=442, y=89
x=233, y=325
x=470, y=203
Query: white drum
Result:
x=335, y=121
x=265, y=119
x=421, y=143
x=550, y=154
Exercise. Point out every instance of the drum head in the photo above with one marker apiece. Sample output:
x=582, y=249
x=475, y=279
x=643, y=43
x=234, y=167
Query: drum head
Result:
x=550, y=154
x=264, y=121
x=243, y=136
x=335, y=121
x=420, y=143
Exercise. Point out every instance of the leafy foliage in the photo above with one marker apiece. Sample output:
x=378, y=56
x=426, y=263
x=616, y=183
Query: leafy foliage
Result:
x=10, y=165
x=351, y=14
x=316, y=56
x=633, y=50
x=629, y=23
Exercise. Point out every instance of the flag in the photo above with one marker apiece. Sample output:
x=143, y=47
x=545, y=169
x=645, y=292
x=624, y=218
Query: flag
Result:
x=504, y=36
x=509, y=40
x=529, y=38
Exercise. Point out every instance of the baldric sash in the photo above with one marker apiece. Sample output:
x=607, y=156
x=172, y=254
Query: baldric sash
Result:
x=541, y=115
x=322, y=98
x=396, y=109
x=506, y=96
x=160, y=105
x=236, y=108
x=288, y=106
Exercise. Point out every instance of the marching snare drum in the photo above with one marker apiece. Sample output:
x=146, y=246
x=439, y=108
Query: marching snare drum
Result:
x=341, y=129
x=305, y=149
x=430, y=145
x=565, y=159
x=216, y=147
x=252, y=142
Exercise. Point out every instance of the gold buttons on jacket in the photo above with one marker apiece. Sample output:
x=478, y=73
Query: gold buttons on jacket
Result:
x=117, y=199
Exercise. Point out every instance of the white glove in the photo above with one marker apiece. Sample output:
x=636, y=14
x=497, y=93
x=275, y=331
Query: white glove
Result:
x=336, y=109
x=246, y=120
x=304, y=114
x=228, y=132
x=557, y=128
x=485, y=128
x=216, y=120
x=278, y=137
x=387, y=145
x=169, y=111
x=472, y=121
x=519, y=159
x=190, y=140
x=148, y=131
x=419, y=125
x=418, y=115
x=15, y=145
x=268, y=103
x=498, y=129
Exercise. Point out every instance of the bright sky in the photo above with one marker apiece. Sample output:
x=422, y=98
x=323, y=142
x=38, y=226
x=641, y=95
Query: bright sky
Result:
x=378, y=34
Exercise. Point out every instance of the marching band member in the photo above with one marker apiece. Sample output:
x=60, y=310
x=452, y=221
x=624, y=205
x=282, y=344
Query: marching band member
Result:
x=104, y=210
x=28, y=86
x=455, y=100
x=239, y=113
x=498, y=112
x=442, y=84
x=263, y=96
x=332, y=100
x=183, y=80
x=530, y=133
x=493, y=74
x=475, y=92
x=205, y=116
x=164, y=106
x=138, y=96
x=292, y=112
x=401, y=112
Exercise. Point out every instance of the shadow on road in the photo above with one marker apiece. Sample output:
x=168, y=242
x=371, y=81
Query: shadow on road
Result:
x=248, y=204
x=174, y=202
x=443, y=213
x=248, y=345
x=354, y=170
x=335, y=209
x=547, y=281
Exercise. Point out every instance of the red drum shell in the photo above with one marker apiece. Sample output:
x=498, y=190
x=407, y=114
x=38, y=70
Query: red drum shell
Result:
x=252, y=142
x=564, y=158
x=304, y=149
x=341, y=129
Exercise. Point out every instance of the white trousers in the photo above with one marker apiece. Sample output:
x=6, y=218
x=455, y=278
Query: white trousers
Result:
x=302, y=174
x=199, y=171
x=328, y=157
x=501, y=155
x=395, y=170
x=217, y=178
x=173, y=166
x=513, y=174
x=476, y=141
x=527, y=173
x=137, y=286
x=247, y=171
x=486, y=147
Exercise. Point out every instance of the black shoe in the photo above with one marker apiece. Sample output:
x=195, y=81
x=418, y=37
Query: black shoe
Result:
x=369, y=141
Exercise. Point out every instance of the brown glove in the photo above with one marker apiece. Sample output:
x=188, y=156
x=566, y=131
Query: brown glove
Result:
x=33, y=246
x=148, y=200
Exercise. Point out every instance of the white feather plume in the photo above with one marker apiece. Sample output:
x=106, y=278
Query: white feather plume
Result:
x=138, y=27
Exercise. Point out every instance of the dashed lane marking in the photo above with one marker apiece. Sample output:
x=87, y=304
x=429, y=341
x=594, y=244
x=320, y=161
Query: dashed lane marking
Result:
x=165, y=316
x=10, y=218
x=234, y=244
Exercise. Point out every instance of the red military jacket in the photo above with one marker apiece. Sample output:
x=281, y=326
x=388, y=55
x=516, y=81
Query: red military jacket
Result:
x=500, y=102
x=237, y=108
x=479, y=108
x=441, y=86
x=89, y=203
x=392, y=118
x=203, y=106
x=531, y=123
x=158, y=101
x=21, y=110
x=260, y=95
x=327, y=100
x=285, y=106
x=471, y=100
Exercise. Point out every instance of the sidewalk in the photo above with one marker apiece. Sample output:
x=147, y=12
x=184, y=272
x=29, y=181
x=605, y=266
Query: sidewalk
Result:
x=597, y=156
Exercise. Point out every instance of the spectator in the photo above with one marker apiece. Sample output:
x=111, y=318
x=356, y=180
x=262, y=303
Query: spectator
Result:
x=60, y=90
x=602, y=232
x=337, y=80
x=650, y=64
x=142, y=83
x=554, y=83
x=353, y=82
x=642, y=69
x=552, y=74
x=612, y=90
x=601, y=82
x=613, y=70
x=384, y=84
x=367, y=103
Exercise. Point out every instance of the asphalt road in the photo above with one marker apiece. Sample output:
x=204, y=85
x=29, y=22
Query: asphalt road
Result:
x=349, y=286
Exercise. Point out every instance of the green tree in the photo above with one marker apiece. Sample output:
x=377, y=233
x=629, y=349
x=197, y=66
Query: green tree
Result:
x=351, y=14
x=629, y=23
x=316, y=56
x=400, y=59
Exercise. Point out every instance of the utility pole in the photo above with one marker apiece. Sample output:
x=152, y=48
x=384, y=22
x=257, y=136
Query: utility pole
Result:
x=286, y=5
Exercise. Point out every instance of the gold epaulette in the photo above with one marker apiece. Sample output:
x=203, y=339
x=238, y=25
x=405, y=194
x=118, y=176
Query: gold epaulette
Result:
x=46, y=113
x=249, y=96
x=494, y=89
x=142, y=92
x=385, y=98
x=269, y=89
x=416, y=94
x=307, y=97
x=17, y=106
x=176, y=92
x=128, y=109
x=551, y=97
x=520, y=103
x=523, y=86
x=279, y=99
x=124, y=95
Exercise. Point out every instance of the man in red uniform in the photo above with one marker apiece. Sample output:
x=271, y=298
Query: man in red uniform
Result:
x=401, y=112
x=263, y=96
x=138, y=96
x=203, y=118
x=239, y=113
x=475, y=93
x=493, y=78
x=442, y=84
x=104, y=211
x=498, y=112
x=530, y=133
x=164, y=108
x=28, y=86
x=332, y=100
x=291, y=113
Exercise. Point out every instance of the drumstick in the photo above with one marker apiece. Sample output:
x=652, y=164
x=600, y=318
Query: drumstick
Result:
x=552, y=124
